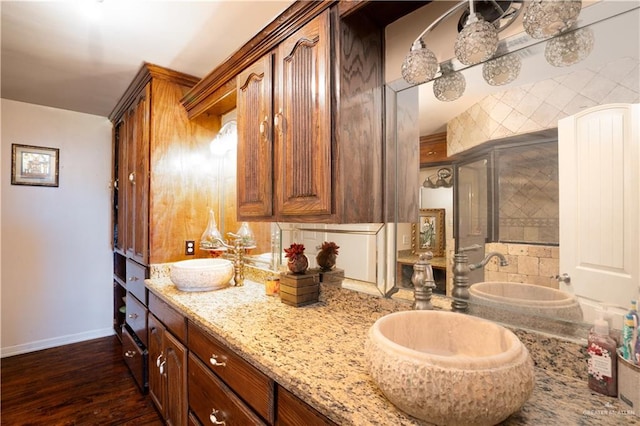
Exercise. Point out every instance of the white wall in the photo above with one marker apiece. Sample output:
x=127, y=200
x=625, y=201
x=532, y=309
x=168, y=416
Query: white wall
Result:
x=56, y=284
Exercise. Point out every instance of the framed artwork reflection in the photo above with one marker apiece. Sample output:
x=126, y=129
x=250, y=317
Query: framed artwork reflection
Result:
x=428, y=233
x=34, y=165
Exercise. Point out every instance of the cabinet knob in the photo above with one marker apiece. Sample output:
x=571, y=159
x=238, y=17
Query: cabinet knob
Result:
x=161, y=367
x=214, y=361
x=159, y=359
x=214, y=420
x=133, y=278
x=132, y=177
x=264, y=127
x=130, y=354
x=133, y=315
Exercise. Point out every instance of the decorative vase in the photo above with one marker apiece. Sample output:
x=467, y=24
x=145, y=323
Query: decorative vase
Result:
x=298, y=264
x=326, y=261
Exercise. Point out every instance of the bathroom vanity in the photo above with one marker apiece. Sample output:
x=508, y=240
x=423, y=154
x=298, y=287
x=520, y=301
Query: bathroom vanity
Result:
x=316, y=354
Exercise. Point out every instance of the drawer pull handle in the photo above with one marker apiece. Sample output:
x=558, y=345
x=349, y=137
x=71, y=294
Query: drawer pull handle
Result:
x=130, y=354
x=133, y=278
x=214, y=419
x=159, y=359
x=214, y=361
x=133, y=315
x=162, y=367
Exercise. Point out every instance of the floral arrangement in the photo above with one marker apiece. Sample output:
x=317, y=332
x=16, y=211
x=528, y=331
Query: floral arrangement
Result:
x=326, y=257
x=294, y=250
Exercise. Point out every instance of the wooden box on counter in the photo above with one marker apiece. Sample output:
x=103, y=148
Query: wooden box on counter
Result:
x=299, y=289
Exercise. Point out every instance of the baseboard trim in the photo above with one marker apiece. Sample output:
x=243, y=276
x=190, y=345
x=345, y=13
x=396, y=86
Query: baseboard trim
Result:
x=55, y=341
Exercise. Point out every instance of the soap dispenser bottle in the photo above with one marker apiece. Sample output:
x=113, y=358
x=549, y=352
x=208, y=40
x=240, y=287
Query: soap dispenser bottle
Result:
x=603, y=361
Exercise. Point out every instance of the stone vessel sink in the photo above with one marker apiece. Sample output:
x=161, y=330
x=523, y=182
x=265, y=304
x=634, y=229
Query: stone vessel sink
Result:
x=201, y=274
x=527, y=299
x=449, y=368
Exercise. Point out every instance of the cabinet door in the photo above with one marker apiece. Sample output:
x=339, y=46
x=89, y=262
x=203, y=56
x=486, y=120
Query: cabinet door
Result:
x=157, y=364
x=175, y=354
x=121, y=175
x=302, y=122
x=137, y=202
x=255, y=140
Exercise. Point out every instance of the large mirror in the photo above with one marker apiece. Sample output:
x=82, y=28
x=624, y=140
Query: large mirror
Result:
x=502, y=144
x=494, y=133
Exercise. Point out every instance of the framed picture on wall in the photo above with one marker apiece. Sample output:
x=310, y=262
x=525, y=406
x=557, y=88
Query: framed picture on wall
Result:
x=428, y=234
x=34, y=165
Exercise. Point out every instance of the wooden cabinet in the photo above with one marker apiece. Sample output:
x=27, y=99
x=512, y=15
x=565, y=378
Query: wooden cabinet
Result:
x=167, y=362
x=255, y=140
x=250, y=384
x=284, y=125
x=212, y=401
x=433, y=150
x=160, y=200
x=292, y=411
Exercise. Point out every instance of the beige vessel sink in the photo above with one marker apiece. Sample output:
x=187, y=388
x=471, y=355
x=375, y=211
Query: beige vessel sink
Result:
x=449, y=368
x=527, y=299
x=201, y=274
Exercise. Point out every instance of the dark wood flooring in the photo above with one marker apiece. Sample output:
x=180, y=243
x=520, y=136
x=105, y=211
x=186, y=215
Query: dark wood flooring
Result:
x=84, y=383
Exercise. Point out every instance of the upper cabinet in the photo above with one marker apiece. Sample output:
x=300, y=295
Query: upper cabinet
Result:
x=310, y=109
x=284, y=129
x=158, y=198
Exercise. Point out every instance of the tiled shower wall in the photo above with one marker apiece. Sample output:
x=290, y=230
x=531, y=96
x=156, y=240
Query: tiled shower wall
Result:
x=530, y=264
x=539, y=106
x=528, y=194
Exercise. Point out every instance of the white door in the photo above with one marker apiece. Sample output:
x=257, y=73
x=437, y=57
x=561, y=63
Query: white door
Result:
x=599, y=158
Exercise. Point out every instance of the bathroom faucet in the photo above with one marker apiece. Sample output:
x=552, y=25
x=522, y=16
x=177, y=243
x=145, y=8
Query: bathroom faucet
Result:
x=238, y=257
x=483, y=263
x=423, y=282
x=461, y=269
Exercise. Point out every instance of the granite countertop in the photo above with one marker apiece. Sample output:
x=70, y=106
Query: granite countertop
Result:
x=317, y=353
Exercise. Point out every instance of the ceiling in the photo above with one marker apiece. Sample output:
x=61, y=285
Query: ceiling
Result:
x=82, y=55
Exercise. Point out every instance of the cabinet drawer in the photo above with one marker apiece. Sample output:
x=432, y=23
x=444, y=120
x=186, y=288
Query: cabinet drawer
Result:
x=255, y=388
x=293, y=411
x=136, y=275
x=171, y=318
x=209, y=396
x=137, y=318
x=135, y=356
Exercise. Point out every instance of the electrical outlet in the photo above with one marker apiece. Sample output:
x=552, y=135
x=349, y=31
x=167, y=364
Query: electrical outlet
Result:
x=189, y=247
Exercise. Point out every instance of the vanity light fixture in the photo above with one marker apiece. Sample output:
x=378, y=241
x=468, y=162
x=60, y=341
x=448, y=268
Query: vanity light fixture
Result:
x=444, y=179
x=477, y=41
x=450, y=86
x=548, y=18
x=570, y=48
x=502, y=70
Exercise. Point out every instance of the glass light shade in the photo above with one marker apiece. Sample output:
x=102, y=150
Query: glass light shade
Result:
x=477, y=41
x=226, y=139
x=211, y=236
x=570, y=48
x=502, y=70
x=246, y=234
x=420, y=65
x=449, y=87
x=547, y=18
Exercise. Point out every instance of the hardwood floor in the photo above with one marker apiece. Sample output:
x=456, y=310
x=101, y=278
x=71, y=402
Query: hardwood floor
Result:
x=83, y=383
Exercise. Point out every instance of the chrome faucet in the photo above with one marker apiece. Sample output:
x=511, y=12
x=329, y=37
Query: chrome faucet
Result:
x=237, y=249
x=487, y=258
x=423, y=282
x=461, y=269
